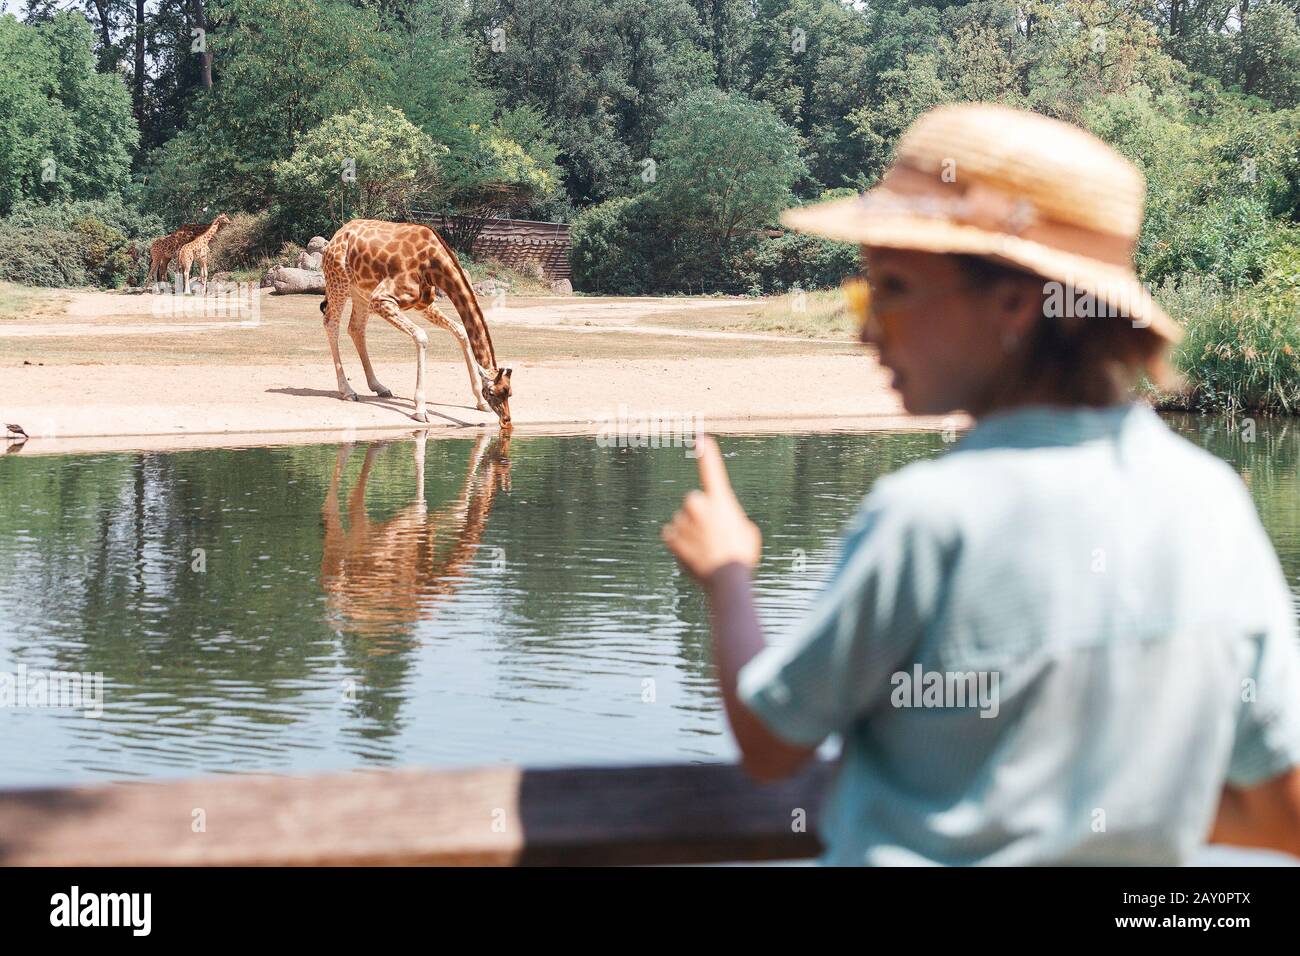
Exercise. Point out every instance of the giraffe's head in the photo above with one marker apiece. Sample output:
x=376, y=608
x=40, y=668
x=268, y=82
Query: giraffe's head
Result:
x=496, y=392
x=222, y=220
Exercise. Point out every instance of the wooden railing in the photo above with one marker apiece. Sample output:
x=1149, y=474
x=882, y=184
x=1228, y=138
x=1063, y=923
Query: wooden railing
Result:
x=707, y=813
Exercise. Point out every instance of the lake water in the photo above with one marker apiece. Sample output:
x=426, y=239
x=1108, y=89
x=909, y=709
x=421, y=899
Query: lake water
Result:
x=305, y=608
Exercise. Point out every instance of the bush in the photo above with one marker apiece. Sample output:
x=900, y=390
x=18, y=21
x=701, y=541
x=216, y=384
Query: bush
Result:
x=1230, y=241
x=528, y=279
x=1282, y=276
x=793, y=260
x=609, y=245
x=634, y=246
x=92, y=239
x=244, y=243
x=118, y=215
x=44, y=257
x=109, y=257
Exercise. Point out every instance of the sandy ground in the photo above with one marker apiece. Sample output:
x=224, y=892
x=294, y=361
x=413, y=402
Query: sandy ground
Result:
x=139, y=371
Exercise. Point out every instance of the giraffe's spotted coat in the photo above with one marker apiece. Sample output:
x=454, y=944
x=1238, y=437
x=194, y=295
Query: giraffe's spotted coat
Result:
x=197, y=248
x=163, y=250
x=389, y=268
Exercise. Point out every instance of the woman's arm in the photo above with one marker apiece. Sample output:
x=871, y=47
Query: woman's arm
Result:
x=737, y=637
x=1266, y=816
x=718, y=545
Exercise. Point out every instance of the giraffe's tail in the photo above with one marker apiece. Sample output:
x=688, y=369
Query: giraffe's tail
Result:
x=324, y=305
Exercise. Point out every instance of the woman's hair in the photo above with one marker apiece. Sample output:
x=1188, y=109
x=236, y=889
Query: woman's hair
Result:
x=1073, y=360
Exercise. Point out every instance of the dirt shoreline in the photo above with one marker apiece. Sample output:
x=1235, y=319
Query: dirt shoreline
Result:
x=275, y=383
x=197, y=441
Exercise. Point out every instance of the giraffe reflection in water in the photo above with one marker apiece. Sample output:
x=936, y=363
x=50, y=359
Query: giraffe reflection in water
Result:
x=380, y=577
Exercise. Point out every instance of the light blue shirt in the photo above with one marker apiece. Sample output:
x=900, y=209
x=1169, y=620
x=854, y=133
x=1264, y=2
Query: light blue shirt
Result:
x=1102, y=593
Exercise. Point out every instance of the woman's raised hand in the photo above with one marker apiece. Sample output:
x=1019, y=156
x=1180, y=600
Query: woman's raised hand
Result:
x=711, y=530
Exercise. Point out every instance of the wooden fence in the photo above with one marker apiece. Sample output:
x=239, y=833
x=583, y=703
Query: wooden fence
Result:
x=704, y=813
x=513, y=242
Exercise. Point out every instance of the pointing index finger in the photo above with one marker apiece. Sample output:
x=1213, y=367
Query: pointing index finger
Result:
x=713, y=472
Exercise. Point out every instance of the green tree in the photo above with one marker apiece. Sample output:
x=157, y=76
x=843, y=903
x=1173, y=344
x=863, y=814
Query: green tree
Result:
x=728, y=25
x=66, y=131
x=491, y=175
x=433, y=78
x=810, y=60
x=604, y=72
x=906, y=92
x=529, y=127
x=1085, y=49
x=726, y=165
x=1269, y=54
x=282, y=67
x=365, y=163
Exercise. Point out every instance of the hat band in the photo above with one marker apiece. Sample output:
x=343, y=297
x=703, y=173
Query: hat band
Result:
x=909, y=191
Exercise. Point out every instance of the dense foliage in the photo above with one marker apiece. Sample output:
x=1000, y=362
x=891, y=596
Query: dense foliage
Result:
x=670, y=132
x=66, y=130
x=376, y=161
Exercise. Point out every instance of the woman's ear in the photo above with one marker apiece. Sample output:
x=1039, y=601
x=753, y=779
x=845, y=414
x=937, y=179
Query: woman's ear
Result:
x=1018, y=303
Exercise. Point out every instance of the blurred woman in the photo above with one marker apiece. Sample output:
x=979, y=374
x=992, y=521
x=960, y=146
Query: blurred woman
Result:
x=1068, y=640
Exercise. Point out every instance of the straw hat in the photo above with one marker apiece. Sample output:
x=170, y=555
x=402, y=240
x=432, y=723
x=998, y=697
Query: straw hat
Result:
x=991, y=181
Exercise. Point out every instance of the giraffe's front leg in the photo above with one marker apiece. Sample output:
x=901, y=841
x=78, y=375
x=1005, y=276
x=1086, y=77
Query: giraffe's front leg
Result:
x=455, y=328
x=386, y=308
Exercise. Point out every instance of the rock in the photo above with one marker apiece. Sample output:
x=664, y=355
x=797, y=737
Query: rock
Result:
x=562, y=287
x=310, y=259
x=288, y=281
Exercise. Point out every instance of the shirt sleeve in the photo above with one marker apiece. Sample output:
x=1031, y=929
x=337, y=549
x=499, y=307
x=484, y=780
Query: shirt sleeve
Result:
x=864, y=626
x=1267, y=741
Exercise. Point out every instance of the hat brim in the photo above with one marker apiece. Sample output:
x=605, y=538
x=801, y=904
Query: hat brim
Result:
x=1119, y=287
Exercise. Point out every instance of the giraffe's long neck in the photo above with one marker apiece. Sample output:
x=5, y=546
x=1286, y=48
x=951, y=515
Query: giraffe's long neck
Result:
x=212, y=229
x=456, y=284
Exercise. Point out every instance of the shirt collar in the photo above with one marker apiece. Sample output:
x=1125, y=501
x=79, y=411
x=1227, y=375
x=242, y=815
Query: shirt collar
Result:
x=1045, y=425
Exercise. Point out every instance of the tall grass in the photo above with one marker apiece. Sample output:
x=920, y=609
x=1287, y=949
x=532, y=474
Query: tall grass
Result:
x=1241, y=348
x=819, y=314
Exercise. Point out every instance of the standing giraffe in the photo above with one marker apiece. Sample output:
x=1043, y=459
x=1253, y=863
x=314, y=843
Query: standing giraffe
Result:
x=163, y=250
x=197, y=248
x=389, y=267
